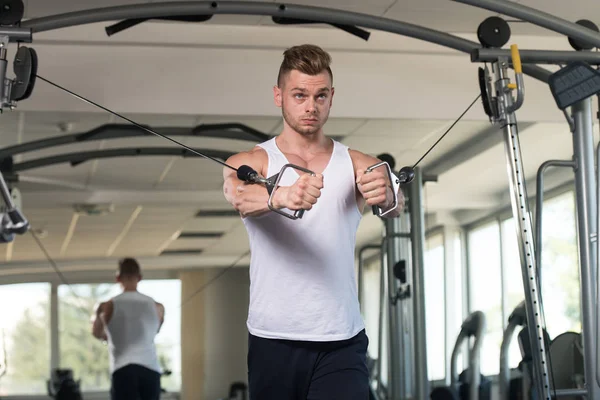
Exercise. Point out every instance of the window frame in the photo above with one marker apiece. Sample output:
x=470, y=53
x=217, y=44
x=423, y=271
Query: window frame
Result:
x=498, y=217
x=54, y=333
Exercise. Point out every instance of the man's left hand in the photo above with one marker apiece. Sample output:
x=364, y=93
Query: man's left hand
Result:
x=374, y=187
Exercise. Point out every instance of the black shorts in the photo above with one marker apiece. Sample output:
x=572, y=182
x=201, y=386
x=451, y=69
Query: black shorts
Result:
x=135, y=382
x=302, y=370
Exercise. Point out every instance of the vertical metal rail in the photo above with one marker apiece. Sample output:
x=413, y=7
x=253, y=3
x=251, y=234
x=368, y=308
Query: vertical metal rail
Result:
x=392, y=248
x=586, y=206
x=539, y=204
x=417, y=231
x=361, y=271
x=597, y=330
x=382, y=303
x=524, y=227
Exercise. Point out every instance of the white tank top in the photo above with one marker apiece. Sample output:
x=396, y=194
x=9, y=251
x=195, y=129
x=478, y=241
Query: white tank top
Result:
x=131, y=331
x=302, y=278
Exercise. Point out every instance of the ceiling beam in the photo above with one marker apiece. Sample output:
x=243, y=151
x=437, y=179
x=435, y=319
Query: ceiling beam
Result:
x=204, y=199
x=79, y=157
x=232, y=130
x=484, y=140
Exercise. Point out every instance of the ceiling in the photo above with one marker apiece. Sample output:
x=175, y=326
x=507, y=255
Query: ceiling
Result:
x=393, y=94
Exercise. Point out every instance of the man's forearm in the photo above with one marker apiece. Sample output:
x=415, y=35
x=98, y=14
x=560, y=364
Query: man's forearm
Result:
x=248, y=199
x=98, y=329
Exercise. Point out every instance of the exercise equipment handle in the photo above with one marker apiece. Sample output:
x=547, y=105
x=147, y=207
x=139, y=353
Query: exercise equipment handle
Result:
x=16, y=221
x=520, y=84
x=376, y=210
x=273, y=184
x=516, y=59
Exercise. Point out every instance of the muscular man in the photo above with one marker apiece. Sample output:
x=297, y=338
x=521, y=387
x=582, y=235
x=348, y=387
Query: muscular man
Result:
x=129, y=322
x=307, y=338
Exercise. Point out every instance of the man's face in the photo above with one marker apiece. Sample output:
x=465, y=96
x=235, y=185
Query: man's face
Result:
x=305, y=101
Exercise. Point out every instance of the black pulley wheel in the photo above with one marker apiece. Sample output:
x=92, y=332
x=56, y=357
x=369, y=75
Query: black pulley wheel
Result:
x=11, y=11
x=406, y=175
x=493, y=32
x=25, y=68
x=580, y=44
x=484, y=86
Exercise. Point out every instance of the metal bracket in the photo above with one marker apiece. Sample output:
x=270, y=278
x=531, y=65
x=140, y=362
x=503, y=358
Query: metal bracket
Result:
x=377, y=210
x=272, y=184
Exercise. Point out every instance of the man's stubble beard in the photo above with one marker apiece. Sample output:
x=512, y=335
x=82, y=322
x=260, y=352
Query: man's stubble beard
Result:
x=297, y=127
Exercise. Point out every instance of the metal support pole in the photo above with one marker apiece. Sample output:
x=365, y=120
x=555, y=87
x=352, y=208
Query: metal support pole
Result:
x=400, y=362
x=417, y=230
x=361, y=271
x=54, y=328
x=524, y=228
x=383, y=295
x=570, y=392
x=504, y=375
x=558, y=57
x=586, y=206
x=393, y=248
x=539, y=204
x=597, y=331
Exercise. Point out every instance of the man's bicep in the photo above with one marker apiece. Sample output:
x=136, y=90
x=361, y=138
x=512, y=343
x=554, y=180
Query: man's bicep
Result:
x=254, y=159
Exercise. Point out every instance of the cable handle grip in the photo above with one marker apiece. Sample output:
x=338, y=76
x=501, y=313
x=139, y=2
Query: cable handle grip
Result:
x=376, y=209
x=248, y=174
x=275, y=184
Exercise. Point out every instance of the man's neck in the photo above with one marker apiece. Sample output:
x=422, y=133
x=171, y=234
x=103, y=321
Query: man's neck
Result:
x=129, y=288
x=290, y=140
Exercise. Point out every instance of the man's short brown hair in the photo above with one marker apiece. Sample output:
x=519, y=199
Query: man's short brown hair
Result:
x=129, y=267
x=307, y=58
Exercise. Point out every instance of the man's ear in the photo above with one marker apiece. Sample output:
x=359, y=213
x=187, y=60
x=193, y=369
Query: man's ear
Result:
x=277, y=95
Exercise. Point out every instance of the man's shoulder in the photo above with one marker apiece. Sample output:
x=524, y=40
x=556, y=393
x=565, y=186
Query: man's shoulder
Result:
x=361, y=160
x=255, y=157
x=256, y=154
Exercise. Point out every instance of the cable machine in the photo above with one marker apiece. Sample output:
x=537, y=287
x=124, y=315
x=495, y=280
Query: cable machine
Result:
x=572, y=87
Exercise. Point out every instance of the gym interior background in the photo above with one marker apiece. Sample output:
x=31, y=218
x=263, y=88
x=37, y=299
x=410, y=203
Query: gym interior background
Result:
x=394, y=95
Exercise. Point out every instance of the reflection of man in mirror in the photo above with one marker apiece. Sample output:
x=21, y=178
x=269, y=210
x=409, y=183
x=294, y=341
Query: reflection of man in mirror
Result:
x=129, y=323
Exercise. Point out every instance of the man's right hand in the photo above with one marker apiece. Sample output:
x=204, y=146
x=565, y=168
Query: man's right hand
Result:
x=302, y=195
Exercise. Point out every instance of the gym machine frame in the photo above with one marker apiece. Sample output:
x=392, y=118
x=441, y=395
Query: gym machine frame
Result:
x=402, y=298
x=582, y=116
x=501, y=109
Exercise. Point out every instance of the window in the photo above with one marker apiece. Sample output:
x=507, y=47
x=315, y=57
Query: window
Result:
x=454, y=317
x=434, y=306
x=168, y=340
x=514, y=293
x=25, y=338
x=79, y=350
x=560, y=266
x=485, y=290
x=370, y=306
x=88, y=357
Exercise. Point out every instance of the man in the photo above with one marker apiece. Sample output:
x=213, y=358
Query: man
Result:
x=129, y=322
x=306, y=334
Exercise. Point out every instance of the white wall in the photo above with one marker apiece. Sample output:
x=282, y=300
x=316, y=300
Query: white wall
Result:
x=213, y=332
x=226, y=335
